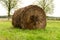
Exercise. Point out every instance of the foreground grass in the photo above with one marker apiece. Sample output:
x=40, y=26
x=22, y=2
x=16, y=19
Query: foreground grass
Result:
x=52, y=32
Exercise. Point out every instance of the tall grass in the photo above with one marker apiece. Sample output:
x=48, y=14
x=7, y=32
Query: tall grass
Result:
x=52, y=32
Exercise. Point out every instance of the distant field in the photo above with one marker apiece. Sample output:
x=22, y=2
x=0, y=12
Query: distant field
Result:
x=52, y=32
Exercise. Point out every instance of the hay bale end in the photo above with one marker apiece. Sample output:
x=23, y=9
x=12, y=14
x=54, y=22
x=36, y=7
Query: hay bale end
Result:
x=30, y=17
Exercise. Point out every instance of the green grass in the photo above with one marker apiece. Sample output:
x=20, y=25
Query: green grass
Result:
x=52, y=32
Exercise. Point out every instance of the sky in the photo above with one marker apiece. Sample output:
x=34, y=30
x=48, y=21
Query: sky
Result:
x=24, y=3
x=56, y=9
x=2, y=10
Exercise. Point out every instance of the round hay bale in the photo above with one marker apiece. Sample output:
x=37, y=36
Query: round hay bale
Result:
x=30, y=17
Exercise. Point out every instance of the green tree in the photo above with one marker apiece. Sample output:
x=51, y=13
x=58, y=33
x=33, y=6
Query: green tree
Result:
x=9, y=4
x=47, y=5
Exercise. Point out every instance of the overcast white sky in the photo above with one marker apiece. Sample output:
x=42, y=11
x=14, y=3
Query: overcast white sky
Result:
x=29, y=2
x=56, y=9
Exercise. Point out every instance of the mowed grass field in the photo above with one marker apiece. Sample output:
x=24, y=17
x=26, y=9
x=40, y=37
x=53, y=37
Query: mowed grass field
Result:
x=52, y=32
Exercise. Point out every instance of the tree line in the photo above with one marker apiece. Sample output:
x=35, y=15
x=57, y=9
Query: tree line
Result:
x=47, y=5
